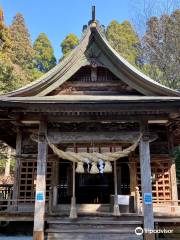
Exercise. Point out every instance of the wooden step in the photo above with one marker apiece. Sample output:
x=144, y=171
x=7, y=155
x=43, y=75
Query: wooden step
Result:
x=95, y=236
x=95, y=219
x=93, y=228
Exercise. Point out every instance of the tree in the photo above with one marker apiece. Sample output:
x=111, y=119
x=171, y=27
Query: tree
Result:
x=44, y=54
x=15, y=70
x=124, y=40
x=7, y=76
x=69, y=43
x=162, y=47
x=1, y=18
x=21, y=44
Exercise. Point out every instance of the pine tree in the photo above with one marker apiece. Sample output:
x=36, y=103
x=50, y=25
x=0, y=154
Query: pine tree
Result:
x=69, y=43
x=124, y=40
x=22, y=47
x=44, y=54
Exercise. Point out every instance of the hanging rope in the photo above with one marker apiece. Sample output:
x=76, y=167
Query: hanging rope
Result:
x=93, y=157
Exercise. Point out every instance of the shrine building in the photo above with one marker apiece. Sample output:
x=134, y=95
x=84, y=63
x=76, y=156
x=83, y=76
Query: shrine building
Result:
x=94, y=140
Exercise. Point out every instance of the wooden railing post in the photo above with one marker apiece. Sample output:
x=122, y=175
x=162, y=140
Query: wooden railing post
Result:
x=137, y=201
x=50, y=200
x=55, y=196
x=40, y=198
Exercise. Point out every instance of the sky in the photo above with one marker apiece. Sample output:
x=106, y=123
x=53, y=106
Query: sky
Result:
x=57, y=18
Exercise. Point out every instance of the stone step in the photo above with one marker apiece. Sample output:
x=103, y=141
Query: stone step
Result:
x=93, y=236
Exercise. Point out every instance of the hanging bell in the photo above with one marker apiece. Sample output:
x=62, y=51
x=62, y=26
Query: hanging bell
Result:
x=108, y=167
x=94, y=168
x=80, y=167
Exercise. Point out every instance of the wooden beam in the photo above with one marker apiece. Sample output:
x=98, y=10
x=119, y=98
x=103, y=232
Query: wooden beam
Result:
x=55, y=136
x=17, y=167
x=146, y=185
x=39, y=212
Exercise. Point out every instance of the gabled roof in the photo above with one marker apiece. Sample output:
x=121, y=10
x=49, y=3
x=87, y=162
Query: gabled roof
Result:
x=94, y=47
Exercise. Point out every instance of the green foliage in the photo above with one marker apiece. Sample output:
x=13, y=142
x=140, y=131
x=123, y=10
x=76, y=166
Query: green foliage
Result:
x=44, y=54
x=7, y=77
x=69, y=43
x=3, y=163
x=21, y=44
x=16, y=56
x=153, y=71
x=124, y=40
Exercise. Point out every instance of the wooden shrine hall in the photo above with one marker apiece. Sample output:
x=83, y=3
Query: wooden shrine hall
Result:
x=93, y=137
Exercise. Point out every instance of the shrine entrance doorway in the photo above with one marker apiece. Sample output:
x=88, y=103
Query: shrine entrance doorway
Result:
x=92, y=188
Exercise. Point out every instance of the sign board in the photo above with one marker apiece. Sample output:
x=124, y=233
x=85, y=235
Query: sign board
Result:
x=148, y=198
x=123, y=200
x=40, y=196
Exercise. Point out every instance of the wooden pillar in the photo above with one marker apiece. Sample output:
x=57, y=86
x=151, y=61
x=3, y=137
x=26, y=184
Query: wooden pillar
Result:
x=55, y=183
x=173, y=183
x=39, y=212
x=8, y=163
x=133, y=181
x=174, y=192
x=116, y=211
x=146, y=186
x=17, y=168
x=132, y=173
x=73, y=211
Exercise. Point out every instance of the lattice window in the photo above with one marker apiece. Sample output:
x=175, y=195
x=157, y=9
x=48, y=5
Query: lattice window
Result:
x=161, y=184
x=28, y=170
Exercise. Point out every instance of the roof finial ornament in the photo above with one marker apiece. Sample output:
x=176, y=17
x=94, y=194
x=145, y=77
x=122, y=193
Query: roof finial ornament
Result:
x=93, y=21
x=93, y=13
